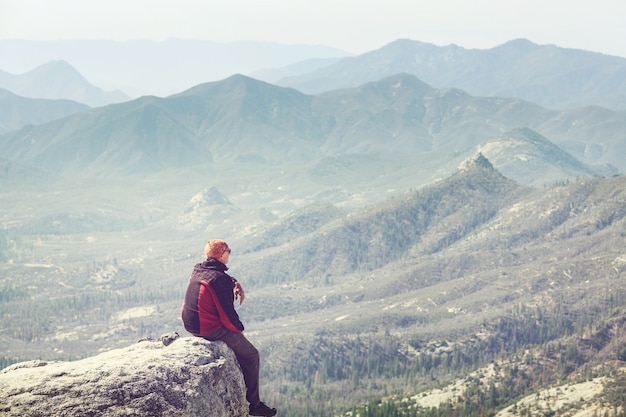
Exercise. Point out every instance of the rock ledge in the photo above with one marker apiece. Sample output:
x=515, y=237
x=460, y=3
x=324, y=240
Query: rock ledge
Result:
x=167, y=377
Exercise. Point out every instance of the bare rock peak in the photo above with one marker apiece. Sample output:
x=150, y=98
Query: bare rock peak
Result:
x=478, y=161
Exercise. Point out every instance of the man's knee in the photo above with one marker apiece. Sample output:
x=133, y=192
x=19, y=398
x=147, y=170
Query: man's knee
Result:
x=251, y=352
x=242, y=346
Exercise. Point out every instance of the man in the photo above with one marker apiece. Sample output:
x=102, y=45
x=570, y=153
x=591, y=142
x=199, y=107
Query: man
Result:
x=209, y=312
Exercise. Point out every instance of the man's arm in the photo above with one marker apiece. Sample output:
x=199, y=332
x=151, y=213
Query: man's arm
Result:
x=224, y=300
x=238, y=291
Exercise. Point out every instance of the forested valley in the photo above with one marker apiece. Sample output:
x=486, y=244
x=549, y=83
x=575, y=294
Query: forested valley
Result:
x=493, y=293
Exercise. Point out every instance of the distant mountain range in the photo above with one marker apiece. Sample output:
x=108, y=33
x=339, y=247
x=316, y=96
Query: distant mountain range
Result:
x=162, y=68
x=547, y=75
x=392, y=236
x=59, y=80
x=398, y=122
x=274, y=75
x=17, y=112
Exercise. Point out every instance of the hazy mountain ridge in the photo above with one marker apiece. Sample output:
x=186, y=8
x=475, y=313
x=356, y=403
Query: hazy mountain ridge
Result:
x=381, y=235
x=58, y=80
x=272, y=75
x=548, y=75
x=245, y=120
x=162, y=68
x=17, y=112
x=101, y=138
x=531, y=158
x=301, y=222
x=240, y=116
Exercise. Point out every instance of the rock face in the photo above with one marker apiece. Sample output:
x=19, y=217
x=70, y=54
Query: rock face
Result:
x=167, y=377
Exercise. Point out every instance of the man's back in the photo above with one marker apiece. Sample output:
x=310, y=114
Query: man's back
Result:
x=209, y=300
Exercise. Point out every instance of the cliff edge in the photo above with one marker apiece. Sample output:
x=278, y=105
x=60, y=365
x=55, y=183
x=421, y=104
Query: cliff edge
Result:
x=169, y=377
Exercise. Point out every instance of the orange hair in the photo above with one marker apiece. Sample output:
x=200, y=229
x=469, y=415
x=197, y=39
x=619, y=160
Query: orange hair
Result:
x=215, y=248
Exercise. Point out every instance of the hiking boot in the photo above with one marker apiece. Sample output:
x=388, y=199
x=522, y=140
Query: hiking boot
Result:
x=262, y=410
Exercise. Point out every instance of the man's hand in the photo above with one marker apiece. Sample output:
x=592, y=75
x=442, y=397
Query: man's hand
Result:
x=238, y=291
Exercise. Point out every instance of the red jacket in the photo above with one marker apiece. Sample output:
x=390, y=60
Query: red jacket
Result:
x=209, y=300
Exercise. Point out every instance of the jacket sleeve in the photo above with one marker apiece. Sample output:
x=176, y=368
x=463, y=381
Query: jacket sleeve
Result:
x=224, y=301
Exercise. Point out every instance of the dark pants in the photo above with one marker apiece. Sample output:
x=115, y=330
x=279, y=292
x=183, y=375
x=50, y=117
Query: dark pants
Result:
x=247, y=356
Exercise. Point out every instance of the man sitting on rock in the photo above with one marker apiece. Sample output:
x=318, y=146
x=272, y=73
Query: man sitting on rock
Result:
x=209, y=312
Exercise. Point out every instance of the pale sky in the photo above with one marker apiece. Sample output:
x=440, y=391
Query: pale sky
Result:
x=356, y=26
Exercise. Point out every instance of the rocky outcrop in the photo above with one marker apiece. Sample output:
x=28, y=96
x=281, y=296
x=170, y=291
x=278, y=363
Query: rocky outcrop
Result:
x=167, y=377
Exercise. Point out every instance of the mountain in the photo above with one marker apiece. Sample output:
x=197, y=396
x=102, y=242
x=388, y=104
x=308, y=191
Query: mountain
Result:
x=273, y=75
x=476, y=201
x=468, y=268
x=17, y=112
x=382, y=235
x=120, y=137
x=553, y=77
x=162, y=68
x=398, y=125
x=208, y=204
x=59, y=80
x=530, y=158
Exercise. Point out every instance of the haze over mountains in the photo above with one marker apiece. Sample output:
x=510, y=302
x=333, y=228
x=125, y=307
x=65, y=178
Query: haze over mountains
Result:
x=144, y=67
x=17, y=111
x=399, y=124
x=392, y=235
x=58, y=80
x=547, y=75
x=553, y=77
